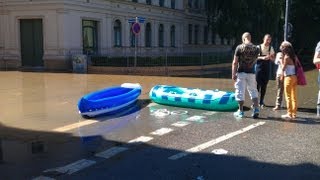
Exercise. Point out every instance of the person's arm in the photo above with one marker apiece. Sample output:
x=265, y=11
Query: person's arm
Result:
x=235, y=63
x=316, y=57
x=272, y=54
x=284, y=62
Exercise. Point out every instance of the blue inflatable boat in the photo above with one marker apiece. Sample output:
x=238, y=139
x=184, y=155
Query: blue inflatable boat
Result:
x=109, y=100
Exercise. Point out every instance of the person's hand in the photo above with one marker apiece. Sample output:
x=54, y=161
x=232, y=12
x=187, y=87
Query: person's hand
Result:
x=234, y=77
x=267, y=57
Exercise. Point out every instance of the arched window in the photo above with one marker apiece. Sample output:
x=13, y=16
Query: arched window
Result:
x=90, y=36
x=196, y=4
x=196, y=34
x=173, y=36
x=161, y=3
x=117, y=33
x=189, y=3
x=205, y=35
x=173, y=4
x=148, y=35
x=190, y=33
x=161, y=35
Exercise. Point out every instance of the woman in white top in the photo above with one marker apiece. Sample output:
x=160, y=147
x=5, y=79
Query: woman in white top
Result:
x=290, y=79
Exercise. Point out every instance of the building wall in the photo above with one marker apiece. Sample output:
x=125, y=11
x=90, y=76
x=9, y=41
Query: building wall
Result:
x=62, y=28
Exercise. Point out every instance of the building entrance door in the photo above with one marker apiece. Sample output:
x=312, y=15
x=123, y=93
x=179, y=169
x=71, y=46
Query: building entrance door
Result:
x=31, y=38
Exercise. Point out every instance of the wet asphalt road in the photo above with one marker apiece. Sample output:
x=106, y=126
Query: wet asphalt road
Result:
x=43, y=136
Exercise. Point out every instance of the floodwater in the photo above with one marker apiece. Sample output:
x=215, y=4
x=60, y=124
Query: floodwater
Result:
x=34, y=105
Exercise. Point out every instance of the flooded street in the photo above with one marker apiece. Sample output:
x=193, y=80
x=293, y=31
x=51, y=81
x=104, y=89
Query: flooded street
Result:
x=41, y=129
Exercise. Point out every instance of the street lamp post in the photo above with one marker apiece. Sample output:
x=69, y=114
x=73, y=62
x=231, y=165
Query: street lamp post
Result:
x=286, y=21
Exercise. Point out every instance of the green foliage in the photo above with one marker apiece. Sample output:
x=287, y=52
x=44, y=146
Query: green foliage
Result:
x=231, y=18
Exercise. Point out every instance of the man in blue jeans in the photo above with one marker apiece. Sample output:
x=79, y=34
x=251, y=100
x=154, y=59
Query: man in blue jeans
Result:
x=316, y=61
x=243, y=73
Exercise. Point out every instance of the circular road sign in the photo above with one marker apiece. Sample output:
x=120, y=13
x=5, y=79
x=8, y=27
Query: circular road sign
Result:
x=136, y=28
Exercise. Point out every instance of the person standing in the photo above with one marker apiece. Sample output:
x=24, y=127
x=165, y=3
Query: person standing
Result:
x=316, y=61
x=279, y=79
x=290, y=79
x=266, y=55
x=243, y=73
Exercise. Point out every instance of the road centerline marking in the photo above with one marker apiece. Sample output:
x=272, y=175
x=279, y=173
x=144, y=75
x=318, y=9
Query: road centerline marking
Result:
x=214, y=141
x=74, y=126
x=180, y=124
x=141, y=139
x=111, y=152
x=73, y=167
x=161, y=131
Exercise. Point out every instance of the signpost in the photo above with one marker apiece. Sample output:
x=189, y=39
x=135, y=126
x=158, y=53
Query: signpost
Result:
x=136, y=28
x=286, y=21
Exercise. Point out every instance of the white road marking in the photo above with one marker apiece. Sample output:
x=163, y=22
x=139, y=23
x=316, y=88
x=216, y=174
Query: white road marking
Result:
x=178, y=112
x=195, y=118
x=220, y=151
x=43, y=178
x=161, y=131
x=214, y=141
x=74, y=125
x=141, y=139
x=180, y=124
x=73, y=167
x=111, y=152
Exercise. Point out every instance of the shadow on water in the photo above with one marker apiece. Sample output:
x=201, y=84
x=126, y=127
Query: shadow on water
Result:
x=133, y=108
x=26, y=154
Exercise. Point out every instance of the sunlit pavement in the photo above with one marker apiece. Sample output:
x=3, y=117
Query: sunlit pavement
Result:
x=43, y=136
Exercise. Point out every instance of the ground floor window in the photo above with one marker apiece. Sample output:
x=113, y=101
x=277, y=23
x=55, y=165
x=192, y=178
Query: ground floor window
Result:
x=173, y=36
x=90, y=36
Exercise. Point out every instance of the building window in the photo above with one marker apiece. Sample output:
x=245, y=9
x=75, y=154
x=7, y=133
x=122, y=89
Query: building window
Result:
x=148, y=2
x=173, y=36
x=189, y=3
x=213, y=37
x=173, y=4
x=161, y=35
x=205, y=35
x=117, y=33
x=190, y=34
x=148, y=35
x=90, y=36
x=161, y=3
x=132, y=37
x=196, y=34
x=134, y=0
x=196, y=4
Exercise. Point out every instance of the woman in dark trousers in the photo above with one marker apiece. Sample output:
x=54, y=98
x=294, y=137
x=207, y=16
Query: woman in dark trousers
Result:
x=266, y=55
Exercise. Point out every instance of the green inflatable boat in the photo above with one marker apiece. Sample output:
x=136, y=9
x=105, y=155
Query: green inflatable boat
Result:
x=215, y=100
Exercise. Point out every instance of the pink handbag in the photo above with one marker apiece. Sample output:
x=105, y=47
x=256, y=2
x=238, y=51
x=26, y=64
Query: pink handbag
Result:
x=302, y=81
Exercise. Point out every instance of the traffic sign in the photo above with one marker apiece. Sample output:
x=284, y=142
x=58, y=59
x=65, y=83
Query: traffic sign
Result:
x=137, y=19
x=136, y=28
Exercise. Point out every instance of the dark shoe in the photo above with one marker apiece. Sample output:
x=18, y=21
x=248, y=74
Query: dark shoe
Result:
x=255, y=113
